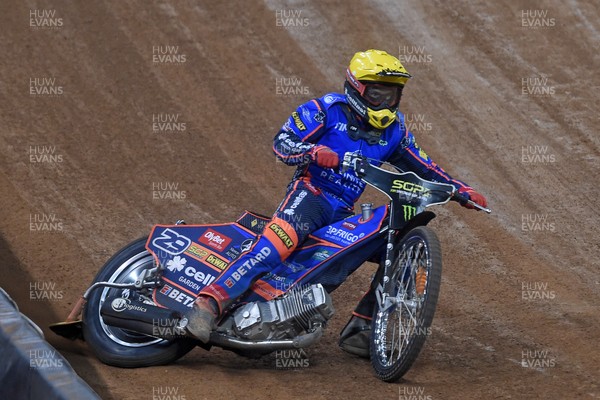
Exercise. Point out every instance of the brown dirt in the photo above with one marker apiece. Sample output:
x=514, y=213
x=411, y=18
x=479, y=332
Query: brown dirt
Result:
x=468, y=88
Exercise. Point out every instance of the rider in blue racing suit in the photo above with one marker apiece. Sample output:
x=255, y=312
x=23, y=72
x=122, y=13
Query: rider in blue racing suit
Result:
x=365, y=119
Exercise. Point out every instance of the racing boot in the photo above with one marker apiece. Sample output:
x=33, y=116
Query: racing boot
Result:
x=201, y=318
x=355, y=337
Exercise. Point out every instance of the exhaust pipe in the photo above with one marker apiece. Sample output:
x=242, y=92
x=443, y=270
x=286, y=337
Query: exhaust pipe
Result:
x=143, y=318
x=301, y=341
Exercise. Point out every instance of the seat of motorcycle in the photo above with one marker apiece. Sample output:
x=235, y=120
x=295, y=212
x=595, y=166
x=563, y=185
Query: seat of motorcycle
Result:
x=253, y=221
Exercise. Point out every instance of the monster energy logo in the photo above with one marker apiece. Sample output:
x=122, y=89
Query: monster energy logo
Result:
x=409, y=212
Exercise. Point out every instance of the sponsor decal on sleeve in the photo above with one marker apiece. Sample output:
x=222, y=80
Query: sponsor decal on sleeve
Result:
x=298, y=122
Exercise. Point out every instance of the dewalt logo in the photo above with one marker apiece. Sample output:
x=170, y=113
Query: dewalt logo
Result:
x=217, y=262
x=298, y=121
x=287, y=241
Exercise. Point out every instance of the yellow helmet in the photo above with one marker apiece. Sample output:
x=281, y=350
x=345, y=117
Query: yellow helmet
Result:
x=373, y=87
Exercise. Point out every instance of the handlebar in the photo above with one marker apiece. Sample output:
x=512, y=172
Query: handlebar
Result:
x=352, y=160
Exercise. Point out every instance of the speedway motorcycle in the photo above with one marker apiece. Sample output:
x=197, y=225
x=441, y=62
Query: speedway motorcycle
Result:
x=133, y=314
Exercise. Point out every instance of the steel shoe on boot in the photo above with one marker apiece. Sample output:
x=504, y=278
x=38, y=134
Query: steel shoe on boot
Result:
x=355, y=337
x=201, y=318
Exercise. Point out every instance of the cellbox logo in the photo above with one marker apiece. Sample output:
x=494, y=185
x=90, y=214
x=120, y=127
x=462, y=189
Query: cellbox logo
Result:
x=167, y=191
x=45, y=359
x=414, y=55
x=536, y=291
x=167, y=123
x=417, y=123
x=537, y=154
x=537, y=223
x=42, y=222
x=44, y=154
x=537, y=86
x=167, y=393
x=168, y=55
x=291, y=359
x=536, y=19
x=290, y=19
x=44, y=87
x=538, y=359
x=44, y=19
x=290, y=86
x=413, y=393
x=44, y=291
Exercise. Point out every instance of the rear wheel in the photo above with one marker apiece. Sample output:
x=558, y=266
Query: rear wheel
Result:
x=402, y=318
x=120, y=347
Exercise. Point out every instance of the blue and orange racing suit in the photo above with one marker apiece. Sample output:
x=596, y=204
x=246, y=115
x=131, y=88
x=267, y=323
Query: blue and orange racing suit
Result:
x=319, y=196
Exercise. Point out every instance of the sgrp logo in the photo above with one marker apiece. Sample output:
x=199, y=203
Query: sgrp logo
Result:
x=215, y=240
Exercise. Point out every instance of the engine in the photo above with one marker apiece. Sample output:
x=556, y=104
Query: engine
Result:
x=299, y=310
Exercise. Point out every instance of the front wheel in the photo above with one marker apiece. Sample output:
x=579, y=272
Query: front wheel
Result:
x=402, y=316
x=121, y=347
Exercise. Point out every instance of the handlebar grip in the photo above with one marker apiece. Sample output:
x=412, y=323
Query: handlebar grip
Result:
x=460, y=198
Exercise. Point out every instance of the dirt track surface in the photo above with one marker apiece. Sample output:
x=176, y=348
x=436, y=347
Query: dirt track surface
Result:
x=504, y=98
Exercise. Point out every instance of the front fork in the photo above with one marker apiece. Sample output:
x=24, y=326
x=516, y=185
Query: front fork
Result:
x=384, y=289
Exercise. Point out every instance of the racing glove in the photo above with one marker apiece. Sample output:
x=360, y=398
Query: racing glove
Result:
x=473, y=196
x=324, y=157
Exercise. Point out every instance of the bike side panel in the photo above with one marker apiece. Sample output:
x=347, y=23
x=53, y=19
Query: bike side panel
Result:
x=193, y=256
x=328, y=256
